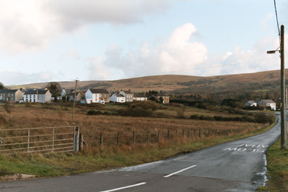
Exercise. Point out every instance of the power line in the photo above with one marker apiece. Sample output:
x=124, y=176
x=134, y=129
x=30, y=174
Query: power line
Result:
x=277, y=17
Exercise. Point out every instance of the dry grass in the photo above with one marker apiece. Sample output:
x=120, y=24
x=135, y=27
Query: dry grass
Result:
x=22, y=116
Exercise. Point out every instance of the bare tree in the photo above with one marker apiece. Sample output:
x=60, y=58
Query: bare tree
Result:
x=54, y=88
x=2, y=86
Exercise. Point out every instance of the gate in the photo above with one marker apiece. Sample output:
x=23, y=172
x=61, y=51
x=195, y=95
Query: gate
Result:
x=39, y=140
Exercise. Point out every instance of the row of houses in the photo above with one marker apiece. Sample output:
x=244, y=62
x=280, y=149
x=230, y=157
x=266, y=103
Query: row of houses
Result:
x=263, y=102
x=89, y=96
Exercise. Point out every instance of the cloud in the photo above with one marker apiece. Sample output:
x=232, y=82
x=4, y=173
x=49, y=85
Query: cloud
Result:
x=14, y=77
x=30, y=24
x=176, y=55
x=70, y=54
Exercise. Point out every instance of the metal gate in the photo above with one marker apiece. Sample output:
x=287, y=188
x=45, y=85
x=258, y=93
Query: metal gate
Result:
x=39, y=140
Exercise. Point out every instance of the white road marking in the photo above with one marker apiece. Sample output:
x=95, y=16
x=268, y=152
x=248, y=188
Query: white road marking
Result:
x=129, y=186
x=180, y=171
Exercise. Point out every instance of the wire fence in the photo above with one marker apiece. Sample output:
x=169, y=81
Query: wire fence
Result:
x=39, y=140
x=140, y=136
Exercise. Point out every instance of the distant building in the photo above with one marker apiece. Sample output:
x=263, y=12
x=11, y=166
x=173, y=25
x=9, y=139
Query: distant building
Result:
x=268, y=103
x=97, y=96
x=37, y=96
x=139, y=97
x=11, y=95
x=251, y=103
x=128, y=95
x=117, y=98
x=164, y=97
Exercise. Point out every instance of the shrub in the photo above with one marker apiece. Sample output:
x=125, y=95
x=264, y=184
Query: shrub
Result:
x=136, y=112
x=146, y=105
x=7, y=107
x=93, y=112
x=261, y=117
x=180, y=113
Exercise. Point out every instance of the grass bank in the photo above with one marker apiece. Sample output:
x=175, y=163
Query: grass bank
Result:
x=107, y=157
x=277, y=165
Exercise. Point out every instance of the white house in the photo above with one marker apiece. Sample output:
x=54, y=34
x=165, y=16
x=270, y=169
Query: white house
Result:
x=251, y=103
x=97, y=96
x=38, y=95
x=268, y=103
x=139, y=98
x=128, y=95
x=117, y=98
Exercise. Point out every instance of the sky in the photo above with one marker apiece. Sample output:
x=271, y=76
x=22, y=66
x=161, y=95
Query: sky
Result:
x=52, y=40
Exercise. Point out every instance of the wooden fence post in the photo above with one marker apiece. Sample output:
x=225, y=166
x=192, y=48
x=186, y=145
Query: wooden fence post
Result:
x=183, y=133
x=147, y=136
x=118, y=138
x=194, y=134
x=133, y=137
x=199, y=133
x=158, y=135
x=168, y=135
x=28, y=140
x=81, y=141
x=101, y=138
x=188, y=136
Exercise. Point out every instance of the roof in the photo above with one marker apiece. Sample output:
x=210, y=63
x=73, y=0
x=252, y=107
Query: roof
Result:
x=160, y=94
x=3, y=90
x=120, y=95
x=99, y=91
x=139, y=96
x=252, y=101
x=8, y=90
x=33, y=92
x=127, y=92
x=267, y=101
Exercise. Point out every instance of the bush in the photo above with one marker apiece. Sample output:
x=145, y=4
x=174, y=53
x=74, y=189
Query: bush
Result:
x=180, y=113
x=264, y=117
x=146, y=105
x=93, y=112
x=8, y=107
x=136, y=112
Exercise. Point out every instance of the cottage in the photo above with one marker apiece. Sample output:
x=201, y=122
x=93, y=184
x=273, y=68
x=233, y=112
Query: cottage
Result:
x=97, y=96
x=11, y=95
x=72, y=95
x=117, y=98
x=268, y=103
x=140, y=98
x=38, y=95
x=251, y=103
x=164, y=97
x=128, y=95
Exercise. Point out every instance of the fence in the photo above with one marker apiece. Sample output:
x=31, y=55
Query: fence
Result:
x=40, y=140
x=139, y=136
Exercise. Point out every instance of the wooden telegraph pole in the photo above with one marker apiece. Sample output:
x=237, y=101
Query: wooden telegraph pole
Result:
x=76, y=81
x=283, y=120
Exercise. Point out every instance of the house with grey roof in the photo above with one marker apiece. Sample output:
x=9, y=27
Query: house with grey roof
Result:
x=37, y=96
x=251, y=103
x=11, y=95
x=268, y=103
x=97, y=96
x=128, y=95
x=117, y=98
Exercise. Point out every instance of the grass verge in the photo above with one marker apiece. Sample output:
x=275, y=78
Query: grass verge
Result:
x=47, y=165
x=277, y=165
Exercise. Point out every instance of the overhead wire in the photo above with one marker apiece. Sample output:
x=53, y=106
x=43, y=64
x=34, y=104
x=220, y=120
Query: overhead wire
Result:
x=275, y=6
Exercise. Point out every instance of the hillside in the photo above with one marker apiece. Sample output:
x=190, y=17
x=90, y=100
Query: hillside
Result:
x=181, y=84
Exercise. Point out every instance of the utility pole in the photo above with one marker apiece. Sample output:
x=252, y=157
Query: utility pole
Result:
x=76, y=81
x=283, y=116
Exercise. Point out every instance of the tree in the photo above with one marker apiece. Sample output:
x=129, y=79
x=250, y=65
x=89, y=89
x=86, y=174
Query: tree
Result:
x=2, y=86
x=54, y=88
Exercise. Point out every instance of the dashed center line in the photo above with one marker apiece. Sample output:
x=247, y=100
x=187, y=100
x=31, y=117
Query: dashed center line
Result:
x=125, y=187
x=180, y=171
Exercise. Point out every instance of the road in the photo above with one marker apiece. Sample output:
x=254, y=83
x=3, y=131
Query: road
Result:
x=233, y=166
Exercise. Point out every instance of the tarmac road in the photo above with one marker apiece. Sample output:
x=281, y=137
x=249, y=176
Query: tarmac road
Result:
x=233, y=166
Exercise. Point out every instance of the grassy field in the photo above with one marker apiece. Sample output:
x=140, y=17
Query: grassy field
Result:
x=95, y=157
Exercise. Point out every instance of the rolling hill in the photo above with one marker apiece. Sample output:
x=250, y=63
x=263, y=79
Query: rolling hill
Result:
x=182, y=84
